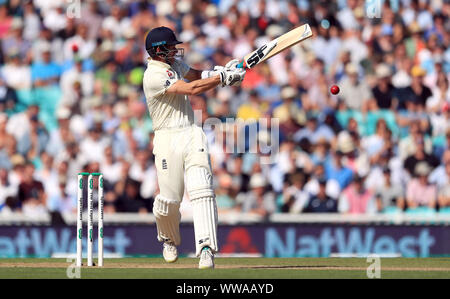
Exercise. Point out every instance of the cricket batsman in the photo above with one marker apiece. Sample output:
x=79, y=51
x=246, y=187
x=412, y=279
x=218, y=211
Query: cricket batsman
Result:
x=180, y=147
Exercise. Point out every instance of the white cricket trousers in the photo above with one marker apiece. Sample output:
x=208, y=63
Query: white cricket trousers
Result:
x=178, y=152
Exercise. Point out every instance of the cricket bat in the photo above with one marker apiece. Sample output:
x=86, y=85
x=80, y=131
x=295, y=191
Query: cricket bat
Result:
x=275, y=46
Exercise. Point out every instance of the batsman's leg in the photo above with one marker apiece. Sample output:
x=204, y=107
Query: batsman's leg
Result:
x=166, y=207
x=168, y=218
x=201, y=194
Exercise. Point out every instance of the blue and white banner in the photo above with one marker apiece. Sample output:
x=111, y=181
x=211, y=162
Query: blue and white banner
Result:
x=270, y=240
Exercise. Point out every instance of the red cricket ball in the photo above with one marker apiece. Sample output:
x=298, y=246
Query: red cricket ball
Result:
x=75, y=48
x=334, y=89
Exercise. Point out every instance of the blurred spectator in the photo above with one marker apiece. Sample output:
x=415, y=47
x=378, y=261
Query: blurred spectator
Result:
x=61, y=201
x=318, y=97
x=110, y=202
x=407, y=145
x=375, y=143
x=110, y=166
x=388, y=194
x=92, y=17
x=444, y=189
x=33, y=144
x=48, y=38
x=19, y=124
x=73, y=76
x=144, y=17
x=93, y=146
x=417, y=92
x=438, y=176
x=6, y=20
x=321, y=151
x=115, y=22
x=252, y=110
x=6, y=139
x=355, y=156
x=313, y=131
x=312, y=186
x=346, y=15
x=285, y=159
x=419, y=192
x=14, y=42
x=16, y=73
x=289, y=112
x=31, y=194
x=334, y=169
x=301, y=156
x=294, y=197
x=143, y=171
x=62, y=135
x=239, y=180
x=31, y=22
x=401, y=78
x=355, y=93
x=420, y=156
x=441, y=93
x=356, y=199
x=53, y=14
x=6, y=189
x=130, y=200
x=46, y=73
x=321, y=202
x=384, y=91
x=224, y=197
x=46, y=171
x=16, y=172
x=85, y=46
x=8, y=98
x=258, y=200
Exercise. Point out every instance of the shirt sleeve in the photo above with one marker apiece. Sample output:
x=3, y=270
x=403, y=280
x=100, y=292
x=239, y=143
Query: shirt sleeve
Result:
x=181, y=67
x=157, y=83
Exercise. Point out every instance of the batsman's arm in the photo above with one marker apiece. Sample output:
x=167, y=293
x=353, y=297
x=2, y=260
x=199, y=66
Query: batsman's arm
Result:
x=195, y=87
x=193, y=75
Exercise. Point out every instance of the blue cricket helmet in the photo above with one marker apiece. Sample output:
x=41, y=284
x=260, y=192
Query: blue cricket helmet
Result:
x=160, y=37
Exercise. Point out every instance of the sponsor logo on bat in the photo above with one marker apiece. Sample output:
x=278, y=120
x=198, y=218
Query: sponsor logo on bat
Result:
x=307, y=32
x=259, y=54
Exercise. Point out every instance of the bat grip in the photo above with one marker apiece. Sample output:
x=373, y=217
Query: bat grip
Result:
x=240, y=65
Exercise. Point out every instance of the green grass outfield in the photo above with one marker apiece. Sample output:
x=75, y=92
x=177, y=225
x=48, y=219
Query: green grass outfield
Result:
x=230, y=268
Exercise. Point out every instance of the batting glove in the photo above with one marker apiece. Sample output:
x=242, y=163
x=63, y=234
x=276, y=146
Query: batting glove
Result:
x=232, y=77
x=232, y=64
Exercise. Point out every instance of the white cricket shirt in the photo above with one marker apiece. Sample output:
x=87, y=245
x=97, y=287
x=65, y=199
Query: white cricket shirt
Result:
x=166, y=110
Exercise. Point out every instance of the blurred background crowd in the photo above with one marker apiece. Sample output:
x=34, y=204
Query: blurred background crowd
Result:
x=71, y=100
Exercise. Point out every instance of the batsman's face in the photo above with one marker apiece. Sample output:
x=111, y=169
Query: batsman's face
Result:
x=172, y=52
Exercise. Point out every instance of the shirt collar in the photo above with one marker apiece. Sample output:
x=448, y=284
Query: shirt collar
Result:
x=158, y=63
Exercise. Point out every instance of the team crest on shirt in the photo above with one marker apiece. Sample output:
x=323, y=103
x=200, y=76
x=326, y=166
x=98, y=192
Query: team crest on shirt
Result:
x=170, y=74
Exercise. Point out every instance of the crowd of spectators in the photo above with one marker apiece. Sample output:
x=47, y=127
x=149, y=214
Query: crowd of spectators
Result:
x=71, y=100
